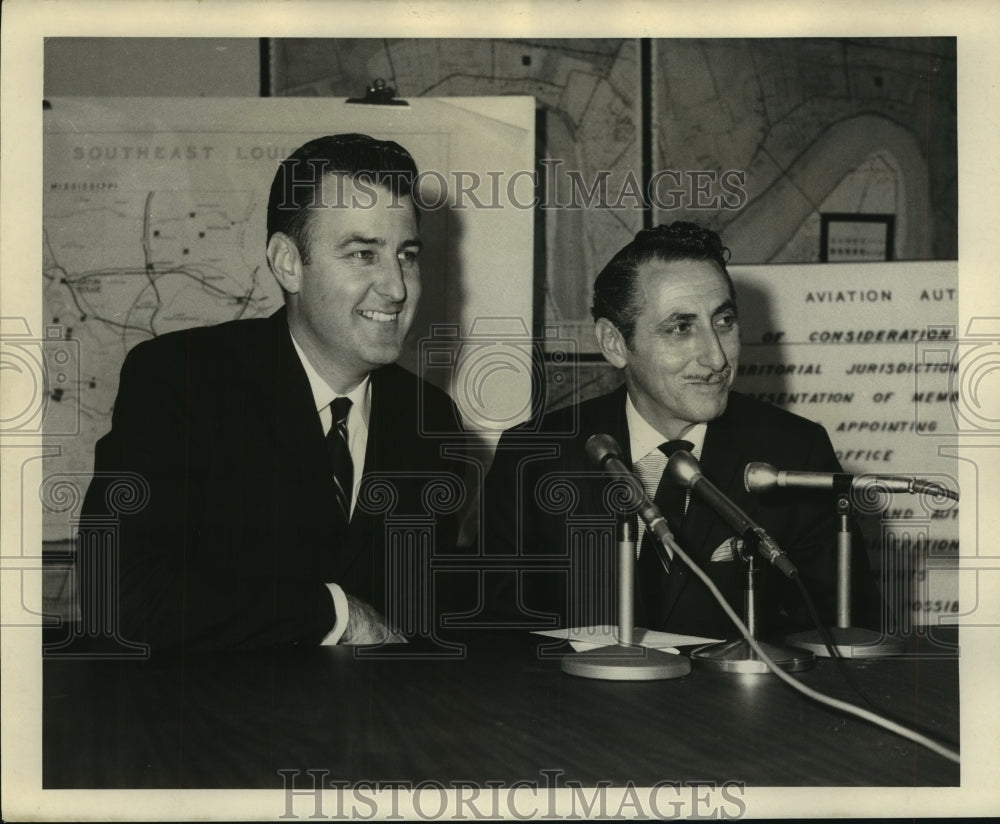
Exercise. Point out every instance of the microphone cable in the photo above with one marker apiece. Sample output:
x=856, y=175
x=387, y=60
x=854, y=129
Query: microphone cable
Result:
x=834, y=703
x=838, y=659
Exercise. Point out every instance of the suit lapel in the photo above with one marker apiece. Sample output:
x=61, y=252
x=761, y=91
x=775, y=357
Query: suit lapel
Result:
x=606, y=415
x=721, y=463
x=607, y=418
x=294, y=413
x=302, y=482
x=362, y=534
x=618, y=428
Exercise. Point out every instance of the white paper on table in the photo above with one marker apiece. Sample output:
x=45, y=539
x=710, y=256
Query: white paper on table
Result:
x=584, y=638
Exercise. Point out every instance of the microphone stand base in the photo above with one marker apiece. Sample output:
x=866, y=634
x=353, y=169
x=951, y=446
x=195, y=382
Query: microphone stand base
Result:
x=850, y=642
x=626, y=663
x=738, y=656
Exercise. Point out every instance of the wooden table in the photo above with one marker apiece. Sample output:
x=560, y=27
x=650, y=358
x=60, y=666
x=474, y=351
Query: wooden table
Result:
x=502, y=712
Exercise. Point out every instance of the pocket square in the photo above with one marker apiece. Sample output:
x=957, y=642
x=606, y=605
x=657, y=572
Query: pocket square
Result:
x=727, y=550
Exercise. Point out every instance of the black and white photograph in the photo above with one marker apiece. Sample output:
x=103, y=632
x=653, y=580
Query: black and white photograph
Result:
x=498, y=411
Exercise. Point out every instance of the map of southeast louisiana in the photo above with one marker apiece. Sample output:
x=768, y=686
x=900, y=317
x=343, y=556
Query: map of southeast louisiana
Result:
x=120, y=267
x=138, y=265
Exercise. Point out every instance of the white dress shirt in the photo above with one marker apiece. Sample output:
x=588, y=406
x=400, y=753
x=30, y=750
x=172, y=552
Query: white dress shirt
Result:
x=357, y=443
x=648, y=461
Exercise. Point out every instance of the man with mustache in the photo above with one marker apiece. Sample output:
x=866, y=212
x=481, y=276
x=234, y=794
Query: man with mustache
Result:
x=666, y=316
x=250, y=443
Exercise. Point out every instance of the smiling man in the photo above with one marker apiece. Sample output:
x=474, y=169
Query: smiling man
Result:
x=249, y=444
x=665, y=315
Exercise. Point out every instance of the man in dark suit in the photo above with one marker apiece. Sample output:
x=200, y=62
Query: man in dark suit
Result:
x=261, y=498
x=665, y=314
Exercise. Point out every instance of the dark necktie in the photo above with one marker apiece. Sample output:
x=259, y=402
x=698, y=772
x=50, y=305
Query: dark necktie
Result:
x=651, y=575
x=340, y=458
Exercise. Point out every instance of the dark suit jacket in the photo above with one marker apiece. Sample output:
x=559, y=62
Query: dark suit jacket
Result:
x=235, y=543
x=543, y=497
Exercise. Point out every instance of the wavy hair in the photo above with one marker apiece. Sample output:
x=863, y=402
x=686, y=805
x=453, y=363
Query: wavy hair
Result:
x=615, y=294
x=297, y=184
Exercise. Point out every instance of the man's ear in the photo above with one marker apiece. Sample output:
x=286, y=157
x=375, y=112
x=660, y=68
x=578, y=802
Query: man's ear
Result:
x=612, y=344
x=285, y=262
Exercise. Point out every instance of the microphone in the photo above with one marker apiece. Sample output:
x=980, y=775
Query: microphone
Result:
x=762, y=477
x=604, y=451
x=684, y=470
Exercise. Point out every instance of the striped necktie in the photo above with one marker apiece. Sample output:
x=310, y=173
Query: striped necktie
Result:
x=340, y=458
x=652, y=571
x=669, y=498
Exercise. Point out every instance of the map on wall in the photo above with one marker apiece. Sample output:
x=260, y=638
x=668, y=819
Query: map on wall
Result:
x=141, y=237
x=742, y=130
x=122, y=266
x=589, y=127
x=167, y=260
x=810, y=125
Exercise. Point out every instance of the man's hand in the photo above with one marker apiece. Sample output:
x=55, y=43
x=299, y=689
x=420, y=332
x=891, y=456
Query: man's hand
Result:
x=366, y=626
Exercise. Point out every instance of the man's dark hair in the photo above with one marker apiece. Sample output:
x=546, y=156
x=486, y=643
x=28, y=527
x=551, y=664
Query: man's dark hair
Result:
x=297, y=184
x=615, y=294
